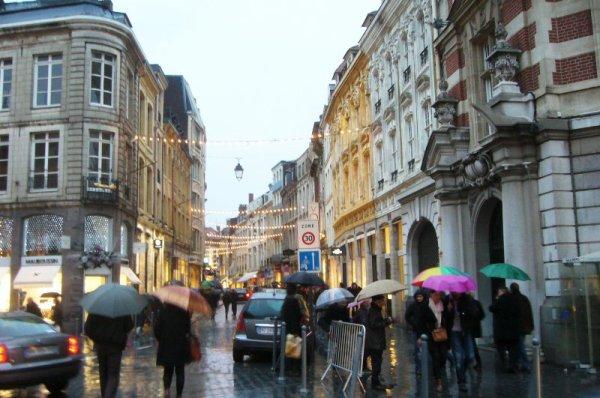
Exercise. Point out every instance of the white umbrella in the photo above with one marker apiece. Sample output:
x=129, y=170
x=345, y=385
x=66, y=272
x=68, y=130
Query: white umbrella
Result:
x=331, y=296
x=384, y=286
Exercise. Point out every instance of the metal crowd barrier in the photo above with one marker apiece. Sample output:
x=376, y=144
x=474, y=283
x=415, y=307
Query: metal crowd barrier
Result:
x=345, y=352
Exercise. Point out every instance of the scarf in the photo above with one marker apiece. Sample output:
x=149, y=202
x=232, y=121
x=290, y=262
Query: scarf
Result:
x=437, y=311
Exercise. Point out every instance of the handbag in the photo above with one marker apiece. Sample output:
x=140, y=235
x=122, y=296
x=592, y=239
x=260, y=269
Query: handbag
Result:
x=439, y=335
x=195, y=352
x=293, y=346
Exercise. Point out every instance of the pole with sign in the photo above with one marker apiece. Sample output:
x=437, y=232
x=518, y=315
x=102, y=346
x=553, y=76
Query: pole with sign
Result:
x=309, y=248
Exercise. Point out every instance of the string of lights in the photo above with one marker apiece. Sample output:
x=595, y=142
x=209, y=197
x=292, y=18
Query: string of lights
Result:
x=245, y=237
x=258, y=228
x=246, y=212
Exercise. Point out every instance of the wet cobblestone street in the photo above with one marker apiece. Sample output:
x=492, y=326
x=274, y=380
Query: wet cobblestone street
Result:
x=217, y=375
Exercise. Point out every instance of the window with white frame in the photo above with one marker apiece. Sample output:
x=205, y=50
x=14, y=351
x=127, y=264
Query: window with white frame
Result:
x=43, y=234
x=44, y=160
x=4, y=151
x=98, y=233
x=5, y=83
x=410, y=138
x=380, y=162
x=100, y=157
x=394, y=152
x=48, y=71
x=102, y=78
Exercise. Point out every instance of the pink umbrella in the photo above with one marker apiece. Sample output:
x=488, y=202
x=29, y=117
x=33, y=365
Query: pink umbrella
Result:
x=450, y=283
x=358, y=303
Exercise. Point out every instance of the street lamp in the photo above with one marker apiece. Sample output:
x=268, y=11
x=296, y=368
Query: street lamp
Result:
x=239, y=171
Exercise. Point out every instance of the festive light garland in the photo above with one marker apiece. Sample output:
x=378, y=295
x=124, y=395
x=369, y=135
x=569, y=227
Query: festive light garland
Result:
x=259, y=228
x=245, y=237
x=246, y=212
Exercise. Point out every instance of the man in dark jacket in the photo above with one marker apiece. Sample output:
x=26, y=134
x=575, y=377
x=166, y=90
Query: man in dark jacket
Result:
x=477, y=334
x=507, y=317
x=419, y=317
x=33, y=308
x=110, y=337
x=526, y=325
x=335, y=312
x=375, y=342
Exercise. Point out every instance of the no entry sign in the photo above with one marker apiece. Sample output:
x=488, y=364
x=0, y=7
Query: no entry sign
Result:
x=308, y=234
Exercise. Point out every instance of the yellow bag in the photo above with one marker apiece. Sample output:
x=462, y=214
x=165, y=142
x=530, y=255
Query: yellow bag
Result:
x=293, y=346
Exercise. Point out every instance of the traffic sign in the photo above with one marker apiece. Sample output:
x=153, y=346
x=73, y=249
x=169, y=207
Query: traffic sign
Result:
x=309, y=260
x=308, y=234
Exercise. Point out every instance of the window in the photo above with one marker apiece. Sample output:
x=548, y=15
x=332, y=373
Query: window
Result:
x=44, y=160
x=486, y=75
x=47, y=80
x=380, y=162
x=124, y=240
x=426, y=110
x=410, y=138
x=98, y=233
x=130, y=103
x=42, y=235
x=394, y=154
x=103, y=75
x=4, y=163
x=100, y=158
x=6, y=229
x=5, y=82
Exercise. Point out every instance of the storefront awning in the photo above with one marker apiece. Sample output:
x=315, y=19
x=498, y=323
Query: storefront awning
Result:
x=247, y=276
x=130, y=275
x=36, y=275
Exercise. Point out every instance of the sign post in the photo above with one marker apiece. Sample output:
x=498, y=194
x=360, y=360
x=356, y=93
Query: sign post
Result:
x=309, y=247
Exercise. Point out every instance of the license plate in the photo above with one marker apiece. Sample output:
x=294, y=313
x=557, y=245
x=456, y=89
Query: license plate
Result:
x=264, y=330
x=34, y=352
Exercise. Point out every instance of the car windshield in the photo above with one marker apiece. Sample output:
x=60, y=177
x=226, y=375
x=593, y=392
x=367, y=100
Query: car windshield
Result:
x=263, y=308
x=21, y=326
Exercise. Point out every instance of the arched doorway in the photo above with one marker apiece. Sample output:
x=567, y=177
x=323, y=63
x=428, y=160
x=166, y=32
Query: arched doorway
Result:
x=424, y=249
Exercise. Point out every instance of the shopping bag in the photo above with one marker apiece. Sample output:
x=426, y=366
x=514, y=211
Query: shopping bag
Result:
x=439, y=335
x=293, y=346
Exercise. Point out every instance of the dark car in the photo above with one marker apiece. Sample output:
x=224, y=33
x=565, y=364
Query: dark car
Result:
x=33, y=352
x=242, y=294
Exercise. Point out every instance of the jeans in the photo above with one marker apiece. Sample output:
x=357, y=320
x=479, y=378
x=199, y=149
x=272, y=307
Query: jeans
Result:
x=462, y=349
x=522, y=354
x=179, y=374
x=376, y=359
x=109, y=365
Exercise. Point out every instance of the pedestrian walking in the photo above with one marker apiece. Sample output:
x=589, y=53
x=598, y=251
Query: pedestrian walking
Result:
x=335, y=312
x=226, y=302
x=361, y=317
x=33, y=308
x=375, y=342
x=507, y=318
x=292, y=314
x=57, y=313
x=110, y=337
x=464, y=314
x=438, y=336
x=418, y=317
x=354, y=289
x=173, y=333
x=526, y=326
x=477, y=333
x=213, y=299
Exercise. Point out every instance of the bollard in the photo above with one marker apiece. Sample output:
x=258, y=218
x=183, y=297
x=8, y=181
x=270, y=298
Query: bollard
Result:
x=274, y=354
x=424, y=367
x=356, y=364
x=537, y=370
x=304, y=389
x=282, y=354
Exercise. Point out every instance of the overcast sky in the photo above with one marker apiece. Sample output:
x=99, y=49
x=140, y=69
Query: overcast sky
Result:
x=259, y=69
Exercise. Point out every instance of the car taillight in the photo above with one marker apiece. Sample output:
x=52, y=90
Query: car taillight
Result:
x=240, y=326
x=3, y=353
x=73, y=345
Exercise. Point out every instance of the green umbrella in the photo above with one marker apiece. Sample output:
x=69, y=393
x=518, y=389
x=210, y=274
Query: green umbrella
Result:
x=505, y=271
x=206, y=284
x=112, y=300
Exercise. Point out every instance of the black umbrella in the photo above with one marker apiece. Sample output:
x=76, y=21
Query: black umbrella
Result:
x=305, y=278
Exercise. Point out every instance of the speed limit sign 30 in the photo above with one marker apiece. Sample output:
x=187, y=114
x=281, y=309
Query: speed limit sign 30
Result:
x=308, y=232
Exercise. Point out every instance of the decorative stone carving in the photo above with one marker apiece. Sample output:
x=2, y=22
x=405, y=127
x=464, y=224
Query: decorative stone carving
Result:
x=445, y=106
x=476, y=169
x=503, y=59
x=355, y=96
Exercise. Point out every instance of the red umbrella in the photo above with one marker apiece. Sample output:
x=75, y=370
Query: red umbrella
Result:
x=184, y=298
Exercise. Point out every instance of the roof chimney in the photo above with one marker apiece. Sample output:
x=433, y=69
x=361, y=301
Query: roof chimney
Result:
x=250, y=197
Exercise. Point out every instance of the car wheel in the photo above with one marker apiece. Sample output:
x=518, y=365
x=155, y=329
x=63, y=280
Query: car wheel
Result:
x=238, y=356
x=56, y=387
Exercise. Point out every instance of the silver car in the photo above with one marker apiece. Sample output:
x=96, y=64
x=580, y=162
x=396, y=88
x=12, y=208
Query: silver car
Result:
x=254, y=328
x=33, y=352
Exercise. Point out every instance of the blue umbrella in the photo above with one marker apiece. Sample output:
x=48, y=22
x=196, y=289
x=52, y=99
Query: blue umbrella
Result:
x=112, y=300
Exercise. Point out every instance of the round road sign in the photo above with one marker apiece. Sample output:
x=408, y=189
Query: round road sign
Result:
x=308, y=238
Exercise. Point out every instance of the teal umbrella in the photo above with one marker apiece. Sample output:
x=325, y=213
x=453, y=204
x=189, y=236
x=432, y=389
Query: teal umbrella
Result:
x=505, y=271
x=112, y=300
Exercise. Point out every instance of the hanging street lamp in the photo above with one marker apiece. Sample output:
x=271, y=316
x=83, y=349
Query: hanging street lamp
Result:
x=239, y=171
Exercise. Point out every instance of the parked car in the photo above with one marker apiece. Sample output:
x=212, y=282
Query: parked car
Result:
x=254, y=328
x=33, y=352
x=243, y=294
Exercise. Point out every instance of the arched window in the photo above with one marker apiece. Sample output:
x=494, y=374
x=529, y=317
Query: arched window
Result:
x=98, y=233
x=42, y=235
x=6, y=230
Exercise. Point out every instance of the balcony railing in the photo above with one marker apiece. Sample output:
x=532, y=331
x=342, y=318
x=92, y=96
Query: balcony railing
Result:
x=391, y=92
x=424, y=56
x=377, y=106
x=99, y=191
x=406, y=75
x=411, y=165
x=394, y=176
x=380, y=185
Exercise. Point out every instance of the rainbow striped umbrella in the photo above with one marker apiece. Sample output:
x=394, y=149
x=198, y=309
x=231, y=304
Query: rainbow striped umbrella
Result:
x=436, y=271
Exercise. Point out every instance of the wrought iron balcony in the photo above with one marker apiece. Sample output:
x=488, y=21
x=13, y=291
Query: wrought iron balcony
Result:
x=406, y=75
x=380, y=185
x=99, y=191
x=394, y=176
x=391, y=91
x=424, y=56
x=377, y=106
x=411, y=165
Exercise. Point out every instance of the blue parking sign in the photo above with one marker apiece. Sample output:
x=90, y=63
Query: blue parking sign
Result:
x=309, y=260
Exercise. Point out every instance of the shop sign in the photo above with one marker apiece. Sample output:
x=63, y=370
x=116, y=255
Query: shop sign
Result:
x=41, y=260
x=4, y=261
x=140, y=247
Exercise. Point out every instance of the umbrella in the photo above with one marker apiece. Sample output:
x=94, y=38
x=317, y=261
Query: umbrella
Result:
x=332, y=296
x=50, y=294
x=383, y=286
x=184, y=298
x=305, y=278
x=436, y=271
x=113, y=300
x=206, y=285
x=505, y=271
x=358, y=303
x=450, y=283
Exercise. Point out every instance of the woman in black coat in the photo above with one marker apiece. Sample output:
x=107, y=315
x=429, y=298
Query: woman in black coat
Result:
x=291, y=314
x=506, y=327
x=172, y=330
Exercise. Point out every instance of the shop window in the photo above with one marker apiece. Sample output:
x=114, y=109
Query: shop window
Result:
x=98, y=233
x=6, y=229
x=42, y=235
x=124, y=240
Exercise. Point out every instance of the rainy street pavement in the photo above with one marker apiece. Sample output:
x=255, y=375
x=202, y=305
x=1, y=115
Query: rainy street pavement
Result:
x=217, y=376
